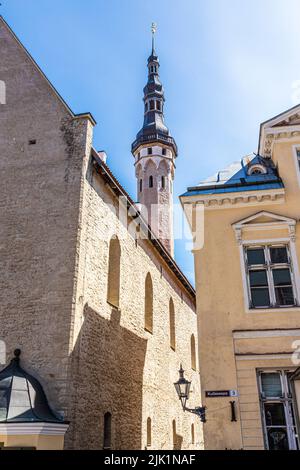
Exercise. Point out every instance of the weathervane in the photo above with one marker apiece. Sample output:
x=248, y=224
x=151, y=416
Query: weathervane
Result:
x=153, y=29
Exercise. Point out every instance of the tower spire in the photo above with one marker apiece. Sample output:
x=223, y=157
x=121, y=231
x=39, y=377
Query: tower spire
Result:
x=155, y=151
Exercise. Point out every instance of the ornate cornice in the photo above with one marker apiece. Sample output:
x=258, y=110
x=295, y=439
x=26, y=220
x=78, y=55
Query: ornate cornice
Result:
x=231, y=200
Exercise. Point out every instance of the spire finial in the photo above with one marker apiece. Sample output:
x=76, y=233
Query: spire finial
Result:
x=153, y=30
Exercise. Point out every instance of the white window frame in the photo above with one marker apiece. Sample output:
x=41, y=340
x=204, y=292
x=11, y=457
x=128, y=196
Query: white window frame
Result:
x=295, y=269
x=276, y=222
x=288, y=401
x=296, y=149
x=269, y=268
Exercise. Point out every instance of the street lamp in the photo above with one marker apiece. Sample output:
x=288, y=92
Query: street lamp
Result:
x=183, y=387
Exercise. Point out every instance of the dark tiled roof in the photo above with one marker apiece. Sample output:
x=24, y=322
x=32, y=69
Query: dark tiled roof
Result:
x=236, y=178
x=22, y=398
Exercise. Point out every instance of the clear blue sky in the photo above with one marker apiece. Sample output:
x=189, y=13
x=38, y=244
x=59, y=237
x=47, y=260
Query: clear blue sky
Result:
x=226, y=66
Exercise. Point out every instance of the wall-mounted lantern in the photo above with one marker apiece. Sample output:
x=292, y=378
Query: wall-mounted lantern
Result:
x=183, y=387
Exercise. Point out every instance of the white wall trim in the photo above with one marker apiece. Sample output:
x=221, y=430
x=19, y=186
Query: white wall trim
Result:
x=250, y=334
x=18, y=429
x=263, y=357
x=237, y=199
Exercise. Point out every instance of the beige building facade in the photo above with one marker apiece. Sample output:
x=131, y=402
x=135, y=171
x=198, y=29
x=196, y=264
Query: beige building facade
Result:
x=90, y=296
x=248, y=293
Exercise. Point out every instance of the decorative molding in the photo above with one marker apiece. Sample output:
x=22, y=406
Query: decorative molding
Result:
x=251, y=334
x=45, y=429
x=239, y=199
x=277, y=222
x=263, y=357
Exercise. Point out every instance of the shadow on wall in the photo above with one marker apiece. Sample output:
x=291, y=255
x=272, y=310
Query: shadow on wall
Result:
x=108, y=363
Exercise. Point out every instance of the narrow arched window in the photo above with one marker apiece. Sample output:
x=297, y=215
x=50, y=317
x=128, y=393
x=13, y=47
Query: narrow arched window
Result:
x=158, y=105
x=148, y=304
x=107, y=431
x=193, y=433
x=149, y=432
x=193, y=352
x=141, y=185
x=152, y=104
x=151, y=181
x=113, y=283
x=163, y=182
x=172, y=324
x=146, y=106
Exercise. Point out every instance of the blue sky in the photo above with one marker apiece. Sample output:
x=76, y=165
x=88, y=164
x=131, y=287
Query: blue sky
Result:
x=226, y=65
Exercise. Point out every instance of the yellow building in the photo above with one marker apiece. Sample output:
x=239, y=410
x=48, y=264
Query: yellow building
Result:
x=248, y=293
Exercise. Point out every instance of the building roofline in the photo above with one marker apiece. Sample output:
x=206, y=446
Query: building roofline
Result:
x=234, y=185
x=37, y=67
x=117, y=188
x=262, y=125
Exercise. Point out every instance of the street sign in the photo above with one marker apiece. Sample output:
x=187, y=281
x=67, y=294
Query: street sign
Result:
x=221, y=393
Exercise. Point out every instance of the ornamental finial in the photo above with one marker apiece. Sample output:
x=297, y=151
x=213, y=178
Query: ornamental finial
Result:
x=153, y=30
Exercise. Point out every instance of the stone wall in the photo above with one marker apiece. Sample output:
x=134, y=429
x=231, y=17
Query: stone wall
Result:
x=39, y=199
x=123, y=369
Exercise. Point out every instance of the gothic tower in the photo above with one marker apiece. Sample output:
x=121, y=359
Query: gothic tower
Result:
x=155, y=151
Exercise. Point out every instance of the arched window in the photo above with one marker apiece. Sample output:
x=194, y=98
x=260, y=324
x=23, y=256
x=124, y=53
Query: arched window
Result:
x=164, y=151
x=146, y=106
x=172, y=324
x=113, y=283
x=107, y=431
x=152, y=105
x=193, y=352
x=148, y=304
x=151, y=181
x=149, y=432
x=193, y=433
x=158, y=105
x=163, y=182
x=141, y=185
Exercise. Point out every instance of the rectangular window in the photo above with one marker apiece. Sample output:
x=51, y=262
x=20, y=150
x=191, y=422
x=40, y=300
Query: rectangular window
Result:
x=277, y=410
x=298, y=157
x=149, y=151
x=269, y=275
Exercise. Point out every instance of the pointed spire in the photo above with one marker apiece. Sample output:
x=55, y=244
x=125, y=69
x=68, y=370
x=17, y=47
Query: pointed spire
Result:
x=153, y=29
x=154, y=127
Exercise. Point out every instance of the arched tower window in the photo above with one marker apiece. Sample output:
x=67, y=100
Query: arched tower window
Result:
x=148, y=304
x=158, y=105
x=149, y=432
x=113, y=282
x=141, y=185
x=172, y=324
x=163, y=182
x=152, y=102
x=151, y=181
x=107, y=431
x=193, y=352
